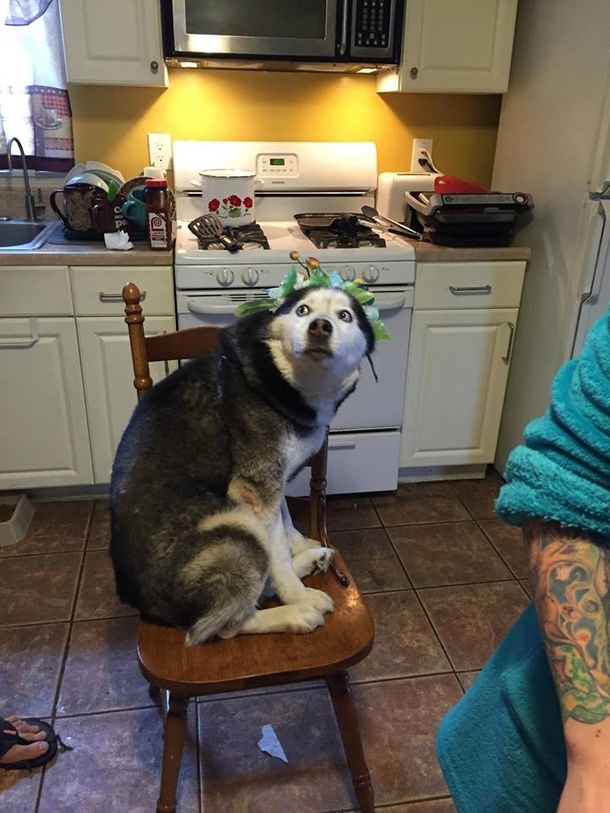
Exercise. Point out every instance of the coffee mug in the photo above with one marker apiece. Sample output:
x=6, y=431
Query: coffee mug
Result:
x=134, y=208
x=107, y=216
x=78, y=203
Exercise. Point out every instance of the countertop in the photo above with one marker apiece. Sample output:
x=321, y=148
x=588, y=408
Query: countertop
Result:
x=96, y=254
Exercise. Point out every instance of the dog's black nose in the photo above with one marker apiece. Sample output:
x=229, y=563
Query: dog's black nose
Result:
x=321, y=328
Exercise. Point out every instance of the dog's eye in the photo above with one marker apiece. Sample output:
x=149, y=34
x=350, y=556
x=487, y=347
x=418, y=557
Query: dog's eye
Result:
x=345, y=316
x=302, y=310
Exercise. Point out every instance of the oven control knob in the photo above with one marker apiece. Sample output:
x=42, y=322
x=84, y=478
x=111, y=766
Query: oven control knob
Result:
x=249, y=277
x=371, y=274
x=348, y=273
x=225, y=277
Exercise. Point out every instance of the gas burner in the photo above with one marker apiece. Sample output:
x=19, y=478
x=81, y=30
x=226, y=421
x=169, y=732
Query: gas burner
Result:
x=248, y=236
x=338, y=231
x=332, y=238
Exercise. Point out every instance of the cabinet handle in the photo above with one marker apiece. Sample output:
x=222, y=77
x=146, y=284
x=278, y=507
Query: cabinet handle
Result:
x=413, y=73
x=476, y=289
x=24, y=343
x=118, y=297
x=509, y=349
x=154, y=66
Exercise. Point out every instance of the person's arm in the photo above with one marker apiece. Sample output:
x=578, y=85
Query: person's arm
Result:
x=571, y=579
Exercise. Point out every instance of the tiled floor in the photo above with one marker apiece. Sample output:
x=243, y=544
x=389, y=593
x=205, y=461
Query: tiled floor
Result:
x=444, y=578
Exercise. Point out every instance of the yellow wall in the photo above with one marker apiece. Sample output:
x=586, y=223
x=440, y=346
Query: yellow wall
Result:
x=111, y=123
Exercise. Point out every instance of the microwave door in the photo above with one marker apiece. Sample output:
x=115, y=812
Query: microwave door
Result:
x=255, y=28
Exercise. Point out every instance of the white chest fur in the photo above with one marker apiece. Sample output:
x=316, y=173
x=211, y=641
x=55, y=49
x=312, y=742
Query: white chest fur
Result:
x=298, y=449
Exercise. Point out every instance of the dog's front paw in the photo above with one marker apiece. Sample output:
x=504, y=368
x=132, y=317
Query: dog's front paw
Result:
x=312, y=560
x=319, y=599
x=303, y=617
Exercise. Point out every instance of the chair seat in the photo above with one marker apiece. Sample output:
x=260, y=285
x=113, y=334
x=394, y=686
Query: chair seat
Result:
x=250, y=661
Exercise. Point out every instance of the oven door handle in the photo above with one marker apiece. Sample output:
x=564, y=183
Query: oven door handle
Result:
x=210, y=308
x=389, y=304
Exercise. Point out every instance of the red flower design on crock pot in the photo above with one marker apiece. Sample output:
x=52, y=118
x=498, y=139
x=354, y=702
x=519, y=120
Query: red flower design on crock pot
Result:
x=248, y=203
x=234, y=200
x=213, y=205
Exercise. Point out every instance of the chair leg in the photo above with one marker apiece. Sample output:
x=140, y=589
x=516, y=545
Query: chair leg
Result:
x=175, y=728
x=345, y=710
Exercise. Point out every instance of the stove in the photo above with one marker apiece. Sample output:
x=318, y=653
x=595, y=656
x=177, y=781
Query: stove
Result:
x=298, y=182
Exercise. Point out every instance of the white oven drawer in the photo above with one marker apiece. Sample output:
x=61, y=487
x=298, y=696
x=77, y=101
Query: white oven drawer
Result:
x=357, y=463
x=487, y=284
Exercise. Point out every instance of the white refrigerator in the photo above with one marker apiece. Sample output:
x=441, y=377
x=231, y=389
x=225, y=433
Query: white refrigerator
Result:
x=554, y=142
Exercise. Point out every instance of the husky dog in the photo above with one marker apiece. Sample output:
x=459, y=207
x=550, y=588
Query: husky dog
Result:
x=200, y=529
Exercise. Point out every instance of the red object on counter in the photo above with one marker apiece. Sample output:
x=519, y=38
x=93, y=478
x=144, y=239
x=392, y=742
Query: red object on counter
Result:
x=451, y=185
x=158, y=214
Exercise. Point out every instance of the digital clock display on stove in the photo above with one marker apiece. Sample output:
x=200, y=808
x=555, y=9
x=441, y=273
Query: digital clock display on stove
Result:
x=277, y=162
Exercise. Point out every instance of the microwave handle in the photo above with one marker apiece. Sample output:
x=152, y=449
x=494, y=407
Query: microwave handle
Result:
x=343, y=43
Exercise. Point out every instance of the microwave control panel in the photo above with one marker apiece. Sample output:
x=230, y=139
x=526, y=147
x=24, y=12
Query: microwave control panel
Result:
x=277, y=165
x=373, y=23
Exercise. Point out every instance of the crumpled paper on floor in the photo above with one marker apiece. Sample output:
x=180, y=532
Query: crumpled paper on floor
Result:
x=270, y=744
x=118, y=240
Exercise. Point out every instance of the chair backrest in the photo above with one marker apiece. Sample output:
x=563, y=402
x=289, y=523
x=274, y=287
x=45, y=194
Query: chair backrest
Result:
x=179, y=345
x=187, y=344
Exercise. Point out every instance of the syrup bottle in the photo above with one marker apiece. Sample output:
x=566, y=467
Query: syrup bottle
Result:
x=158, y=214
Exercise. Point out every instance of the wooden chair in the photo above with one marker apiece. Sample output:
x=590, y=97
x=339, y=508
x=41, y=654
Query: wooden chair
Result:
x=178, y=672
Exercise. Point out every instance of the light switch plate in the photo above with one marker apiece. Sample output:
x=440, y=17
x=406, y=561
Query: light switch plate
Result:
x=159, y=150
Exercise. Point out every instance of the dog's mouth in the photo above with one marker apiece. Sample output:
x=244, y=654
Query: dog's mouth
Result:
x=318, y=352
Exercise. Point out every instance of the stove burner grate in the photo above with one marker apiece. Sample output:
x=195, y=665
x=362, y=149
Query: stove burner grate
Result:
x=250, y=233
x=339, y=231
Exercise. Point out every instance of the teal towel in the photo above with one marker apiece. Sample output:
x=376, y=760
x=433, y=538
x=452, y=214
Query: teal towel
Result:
x=501, y=747
x=563, y=471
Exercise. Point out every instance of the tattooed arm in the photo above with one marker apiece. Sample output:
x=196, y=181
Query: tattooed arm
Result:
x=571, y=574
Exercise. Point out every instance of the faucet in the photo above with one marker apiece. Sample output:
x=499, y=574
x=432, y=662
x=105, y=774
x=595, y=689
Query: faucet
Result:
x=32, y=210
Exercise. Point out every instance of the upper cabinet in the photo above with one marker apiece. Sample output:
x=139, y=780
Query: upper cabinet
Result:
x=462, y=46
x=117, y=42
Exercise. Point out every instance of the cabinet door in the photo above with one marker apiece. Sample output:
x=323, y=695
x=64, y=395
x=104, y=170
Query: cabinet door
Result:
x=462, y=46
x=108, y=380
x=114, y=42
x=456, y=379
x=43, y=424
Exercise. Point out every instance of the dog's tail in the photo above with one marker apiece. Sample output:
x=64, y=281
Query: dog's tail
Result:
x=226, y=578
x=223, y=617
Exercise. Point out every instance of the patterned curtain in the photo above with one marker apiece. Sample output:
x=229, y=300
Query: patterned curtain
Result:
x=34, y=102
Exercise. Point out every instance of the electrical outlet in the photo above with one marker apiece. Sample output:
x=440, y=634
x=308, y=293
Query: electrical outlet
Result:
x=420, y=144
x=159, y=150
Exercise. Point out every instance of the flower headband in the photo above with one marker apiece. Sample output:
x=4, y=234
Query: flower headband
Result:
x=312, y=274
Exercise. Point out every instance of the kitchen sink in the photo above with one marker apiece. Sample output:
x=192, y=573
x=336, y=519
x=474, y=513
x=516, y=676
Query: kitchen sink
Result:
x=24, y=235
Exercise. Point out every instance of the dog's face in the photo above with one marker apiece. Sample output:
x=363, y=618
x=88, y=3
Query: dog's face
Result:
x=325, y=327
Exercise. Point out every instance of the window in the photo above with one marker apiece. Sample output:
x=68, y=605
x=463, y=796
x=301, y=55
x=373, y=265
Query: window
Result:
x=34, y=102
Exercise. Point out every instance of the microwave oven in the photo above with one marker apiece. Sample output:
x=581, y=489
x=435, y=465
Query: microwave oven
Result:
x=334, y=33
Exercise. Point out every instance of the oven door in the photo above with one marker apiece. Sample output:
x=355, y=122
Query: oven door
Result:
x=251, y=28
x=374, y=404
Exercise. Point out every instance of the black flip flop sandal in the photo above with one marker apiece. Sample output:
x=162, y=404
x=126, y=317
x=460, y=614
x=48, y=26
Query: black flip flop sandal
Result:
x=54, y=740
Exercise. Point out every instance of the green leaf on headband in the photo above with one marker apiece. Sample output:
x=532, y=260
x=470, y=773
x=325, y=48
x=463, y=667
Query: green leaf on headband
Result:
x=319, y=277
x=380, y=330
x=288, y=282
x=254, y=306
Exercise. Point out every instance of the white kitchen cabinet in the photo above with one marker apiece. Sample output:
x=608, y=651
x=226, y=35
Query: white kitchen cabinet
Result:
x=65, y=368
x=114, y=42
x=458, y=368
x=463, y=327
x=461, y=46
x=104, y=347
x=44, y=439
x=109, y=390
